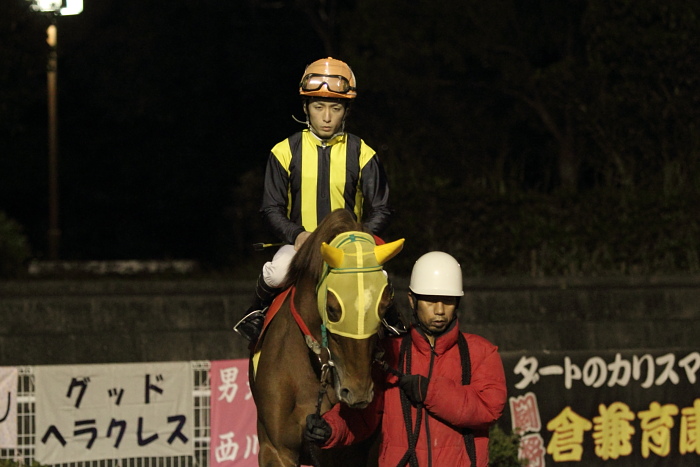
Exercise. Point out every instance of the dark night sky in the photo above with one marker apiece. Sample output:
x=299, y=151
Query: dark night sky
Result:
x=162, y=107
x=168, y=110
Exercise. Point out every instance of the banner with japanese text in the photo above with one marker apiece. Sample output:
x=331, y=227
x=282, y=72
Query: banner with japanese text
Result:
x=625, y=408
x=8, y=407
x=113, y=411
x=234, y=439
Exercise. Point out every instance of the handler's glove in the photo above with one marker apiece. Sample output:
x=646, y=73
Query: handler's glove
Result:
x=415, y=387
x=317, y=429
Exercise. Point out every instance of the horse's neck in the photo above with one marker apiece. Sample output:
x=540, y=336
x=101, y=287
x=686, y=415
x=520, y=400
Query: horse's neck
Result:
x=306, y=305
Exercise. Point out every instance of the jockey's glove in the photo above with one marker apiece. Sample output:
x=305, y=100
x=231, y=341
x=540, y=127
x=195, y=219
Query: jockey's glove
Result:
x=415, y=387
x=317, y=429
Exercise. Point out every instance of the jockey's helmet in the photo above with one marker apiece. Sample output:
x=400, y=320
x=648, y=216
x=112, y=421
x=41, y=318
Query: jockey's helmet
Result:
x=329, y=78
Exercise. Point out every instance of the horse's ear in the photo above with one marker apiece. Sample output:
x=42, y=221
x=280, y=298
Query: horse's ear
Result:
x=385, y=252
x=332, y=255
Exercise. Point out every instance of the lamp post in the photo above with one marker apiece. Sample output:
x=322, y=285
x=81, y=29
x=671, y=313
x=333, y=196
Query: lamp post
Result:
x=51, y=72
x=54, y=8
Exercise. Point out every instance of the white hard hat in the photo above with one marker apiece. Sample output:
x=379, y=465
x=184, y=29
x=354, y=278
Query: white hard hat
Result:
x=437, y=273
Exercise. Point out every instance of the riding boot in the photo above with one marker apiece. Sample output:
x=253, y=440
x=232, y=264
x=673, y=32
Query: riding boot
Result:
x=252, y=322
x=392, y=317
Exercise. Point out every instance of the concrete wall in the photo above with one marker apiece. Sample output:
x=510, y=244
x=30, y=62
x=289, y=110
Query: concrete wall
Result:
x=140, y=320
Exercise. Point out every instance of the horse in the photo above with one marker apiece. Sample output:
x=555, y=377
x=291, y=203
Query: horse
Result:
x=318, y=348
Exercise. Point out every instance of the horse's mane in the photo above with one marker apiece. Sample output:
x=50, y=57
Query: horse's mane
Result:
x=308, y=260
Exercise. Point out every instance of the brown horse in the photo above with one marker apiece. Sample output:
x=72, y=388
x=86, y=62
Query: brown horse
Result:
x=323, y=337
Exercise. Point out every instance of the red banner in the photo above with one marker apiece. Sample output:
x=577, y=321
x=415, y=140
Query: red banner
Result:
x=234, y=439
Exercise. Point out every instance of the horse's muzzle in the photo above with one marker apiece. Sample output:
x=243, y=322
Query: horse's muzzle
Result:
x=355, y=400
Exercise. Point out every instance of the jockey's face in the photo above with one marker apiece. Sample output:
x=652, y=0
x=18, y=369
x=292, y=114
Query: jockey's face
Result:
x=325, y=117
x=435, y=312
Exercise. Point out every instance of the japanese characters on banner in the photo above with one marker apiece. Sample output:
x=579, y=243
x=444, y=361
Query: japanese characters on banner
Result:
x=619, y=408
x=93, y=412
x=8, y=407
x=234, y=440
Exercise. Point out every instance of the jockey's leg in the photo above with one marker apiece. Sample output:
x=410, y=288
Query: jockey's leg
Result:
x=251, y=323
x=266, y=289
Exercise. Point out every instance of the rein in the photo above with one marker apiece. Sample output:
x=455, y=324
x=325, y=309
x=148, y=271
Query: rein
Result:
x=326, y=368
x=310, y=340
x=315, y=347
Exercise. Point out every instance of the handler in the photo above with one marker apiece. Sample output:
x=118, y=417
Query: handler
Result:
x=445, y=391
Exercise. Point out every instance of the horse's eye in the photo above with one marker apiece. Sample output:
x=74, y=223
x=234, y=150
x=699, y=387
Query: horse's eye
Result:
x=333, y=308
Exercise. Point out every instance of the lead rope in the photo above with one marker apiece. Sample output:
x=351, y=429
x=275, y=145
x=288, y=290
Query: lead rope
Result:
x=405, y=354
x=314, y=448
x=323, y=388
x=405, y=365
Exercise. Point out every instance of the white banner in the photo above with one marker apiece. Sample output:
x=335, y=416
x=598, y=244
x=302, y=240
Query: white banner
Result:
x=8, y=407
x=113, y=411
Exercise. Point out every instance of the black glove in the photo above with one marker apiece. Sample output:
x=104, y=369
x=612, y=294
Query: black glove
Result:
x=317, y=429
x=415, y=387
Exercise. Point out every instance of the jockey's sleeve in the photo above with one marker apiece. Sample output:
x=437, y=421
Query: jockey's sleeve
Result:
x=274, y=202
x=375, y=190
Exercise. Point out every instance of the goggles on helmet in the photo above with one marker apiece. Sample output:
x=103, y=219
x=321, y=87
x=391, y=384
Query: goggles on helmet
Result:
x=334, y=83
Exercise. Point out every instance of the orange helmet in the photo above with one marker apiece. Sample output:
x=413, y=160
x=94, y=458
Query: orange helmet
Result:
x=328, y=77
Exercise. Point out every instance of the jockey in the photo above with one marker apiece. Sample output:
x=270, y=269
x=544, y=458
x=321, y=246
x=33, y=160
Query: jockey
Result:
x=313, y=172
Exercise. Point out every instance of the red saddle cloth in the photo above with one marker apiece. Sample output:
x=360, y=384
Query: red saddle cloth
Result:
x=271, y=312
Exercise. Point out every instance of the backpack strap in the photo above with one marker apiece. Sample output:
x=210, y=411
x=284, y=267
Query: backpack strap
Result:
x=466, y=379
x=405, y=367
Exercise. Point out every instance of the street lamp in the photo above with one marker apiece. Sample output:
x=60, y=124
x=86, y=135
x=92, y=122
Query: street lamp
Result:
x=55, y=8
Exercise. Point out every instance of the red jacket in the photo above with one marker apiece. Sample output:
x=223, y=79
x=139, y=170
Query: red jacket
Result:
x=449, y=405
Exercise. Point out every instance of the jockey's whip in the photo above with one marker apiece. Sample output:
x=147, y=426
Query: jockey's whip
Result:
x=262, y=246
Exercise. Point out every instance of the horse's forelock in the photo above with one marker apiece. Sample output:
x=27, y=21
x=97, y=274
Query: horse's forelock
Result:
x=308, y=259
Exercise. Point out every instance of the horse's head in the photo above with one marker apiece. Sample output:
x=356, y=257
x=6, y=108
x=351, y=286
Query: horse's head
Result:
x=352, y=298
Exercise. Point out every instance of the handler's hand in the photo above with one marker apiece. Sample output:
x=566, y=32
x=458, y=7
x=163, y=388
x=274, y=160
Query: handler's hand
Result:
x=415, y=387
x=317, y=429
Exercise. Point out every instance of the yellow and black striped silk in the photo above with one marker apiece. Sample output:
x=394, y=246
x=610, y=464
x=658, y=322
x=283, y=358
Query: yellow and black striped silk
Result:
x=307, y=179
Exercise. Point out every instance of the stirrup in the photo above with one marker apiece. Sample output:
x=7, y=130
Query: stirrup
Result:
x=251, y=325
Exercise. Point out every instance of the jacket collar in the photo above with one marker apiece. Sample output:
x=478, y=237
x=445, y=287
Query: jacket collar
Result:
x=311, y=136
x=443, y=342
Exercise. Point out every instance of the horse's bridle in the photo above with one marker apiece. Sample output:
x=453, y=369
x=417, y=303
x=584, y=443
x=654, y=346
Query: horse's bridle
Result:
x=326, y=367
x=312, y=343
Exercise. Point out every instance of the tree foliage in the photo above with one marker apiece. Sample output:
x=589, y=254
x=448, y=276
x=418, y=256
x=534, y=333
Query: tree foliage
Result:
x=503, y=448
x=644, y=116
x=524, y=136
x=14, y=247
x=533, y=95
